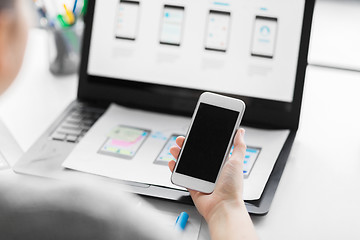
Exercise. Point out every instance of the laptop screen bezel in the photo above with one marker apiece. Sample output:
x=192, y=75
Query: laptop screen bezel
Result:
x=176, y=100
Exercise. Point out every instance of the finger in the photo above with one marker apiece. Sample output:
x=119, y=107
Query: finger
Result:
x=195, y=195
x=239, y=146
x=175, y=150
x=171, y=165
x=180, y=141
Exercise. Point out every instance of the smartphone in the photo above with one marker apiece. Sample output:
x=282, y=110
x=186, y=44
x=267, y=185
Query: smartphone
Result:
x=165, y=156
x=127, y=17
x=264, y=37
x=124, y=141
x=217, y=34
x=172, y=25
x=208, y=142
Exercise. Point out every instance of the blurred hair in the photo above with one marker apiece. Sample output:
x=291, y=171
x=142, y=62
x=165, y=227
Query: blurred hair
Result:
x=6, y=4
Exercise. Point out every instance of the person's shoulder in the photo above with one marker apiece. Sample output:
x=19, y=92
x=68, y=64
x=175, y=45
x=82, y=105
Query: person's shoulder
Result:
x=80, y=210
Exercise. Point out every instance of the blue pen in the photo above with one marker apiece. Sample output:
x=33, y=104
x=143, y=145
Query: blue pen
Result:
x=181, y=221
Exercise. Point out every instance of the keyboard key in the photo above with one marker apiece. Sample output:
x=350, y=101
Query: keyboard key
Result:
x=71, y=127
x=73, y=123
x=74, y=119
x=74, y=132
x=58, y=136
x=88, y=122
x=76, y=115
x=71, y=138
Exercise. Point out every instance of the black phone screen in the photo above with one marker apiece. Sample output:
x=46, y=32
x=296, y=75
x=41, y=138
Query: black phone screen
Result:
x=207, y=142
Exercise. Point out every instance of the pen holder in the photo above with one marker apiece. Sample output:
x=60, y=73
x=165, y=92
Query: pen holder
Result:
x=64, y=49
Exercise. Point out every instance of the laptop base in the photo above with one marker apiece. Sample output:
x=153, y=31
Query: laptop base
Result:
x=45, y=157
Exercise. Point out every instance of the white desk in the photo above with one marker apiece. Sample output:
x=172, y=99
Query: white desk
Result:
x=335, y=35
x=318, y=196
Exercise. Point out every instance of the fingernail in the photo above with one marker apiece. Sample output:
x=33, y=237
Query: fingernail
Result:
x=242, y=132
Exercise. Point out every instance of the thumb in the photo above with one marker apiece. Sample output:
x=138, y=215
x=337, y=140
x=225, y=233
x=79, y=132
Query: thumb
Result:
x=239, y=146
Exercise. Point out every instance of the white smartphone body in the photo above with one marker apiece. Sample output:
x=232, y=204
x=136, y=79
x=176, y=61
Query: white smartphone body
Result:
x=208, y=142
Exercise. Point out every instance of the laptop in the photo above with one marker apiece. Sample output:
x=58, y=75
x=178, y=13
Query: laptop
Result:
x=159, y=56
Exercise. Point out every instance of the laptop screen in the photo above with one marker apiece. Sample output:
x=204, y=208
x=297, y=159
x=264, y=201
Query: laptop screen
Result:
x=244, y=48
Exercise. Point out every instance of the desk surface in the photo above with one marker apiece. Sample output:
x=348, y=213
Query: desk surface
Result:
x=334, y=41
x=318, y=196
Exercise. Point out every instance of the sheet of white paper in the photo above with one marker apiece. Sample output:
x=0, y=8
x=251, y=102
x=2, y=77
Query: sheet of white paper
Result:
x=141, y=167
x=271, y=143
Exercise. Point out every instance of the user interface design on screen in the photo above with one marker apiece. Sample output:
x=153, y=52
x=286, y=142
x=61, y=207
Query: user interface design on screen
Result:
x=245, y=48
x=172, y=24
x=165, y=156
x=217, y=31
x=251, y=155
x=126, y=23
x=207, y=142
x=264, y=37
x=124, y=141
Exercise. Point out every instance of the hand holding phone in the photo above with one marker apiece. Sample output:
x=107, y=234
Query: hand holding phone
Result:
x=229, y=188
x=208, y=142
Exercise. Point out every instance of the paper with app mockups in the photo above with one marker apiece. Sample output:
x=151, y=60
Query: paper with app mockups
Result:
x=143, y=167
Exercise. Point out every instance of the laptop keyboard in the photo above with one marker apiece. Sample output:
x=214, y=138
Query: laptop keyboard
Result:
x=76, y=124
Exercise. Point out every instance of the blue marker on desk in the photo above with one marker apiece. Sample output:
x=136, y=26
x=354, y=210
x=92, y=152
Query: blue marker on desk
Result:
x=181, y=221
